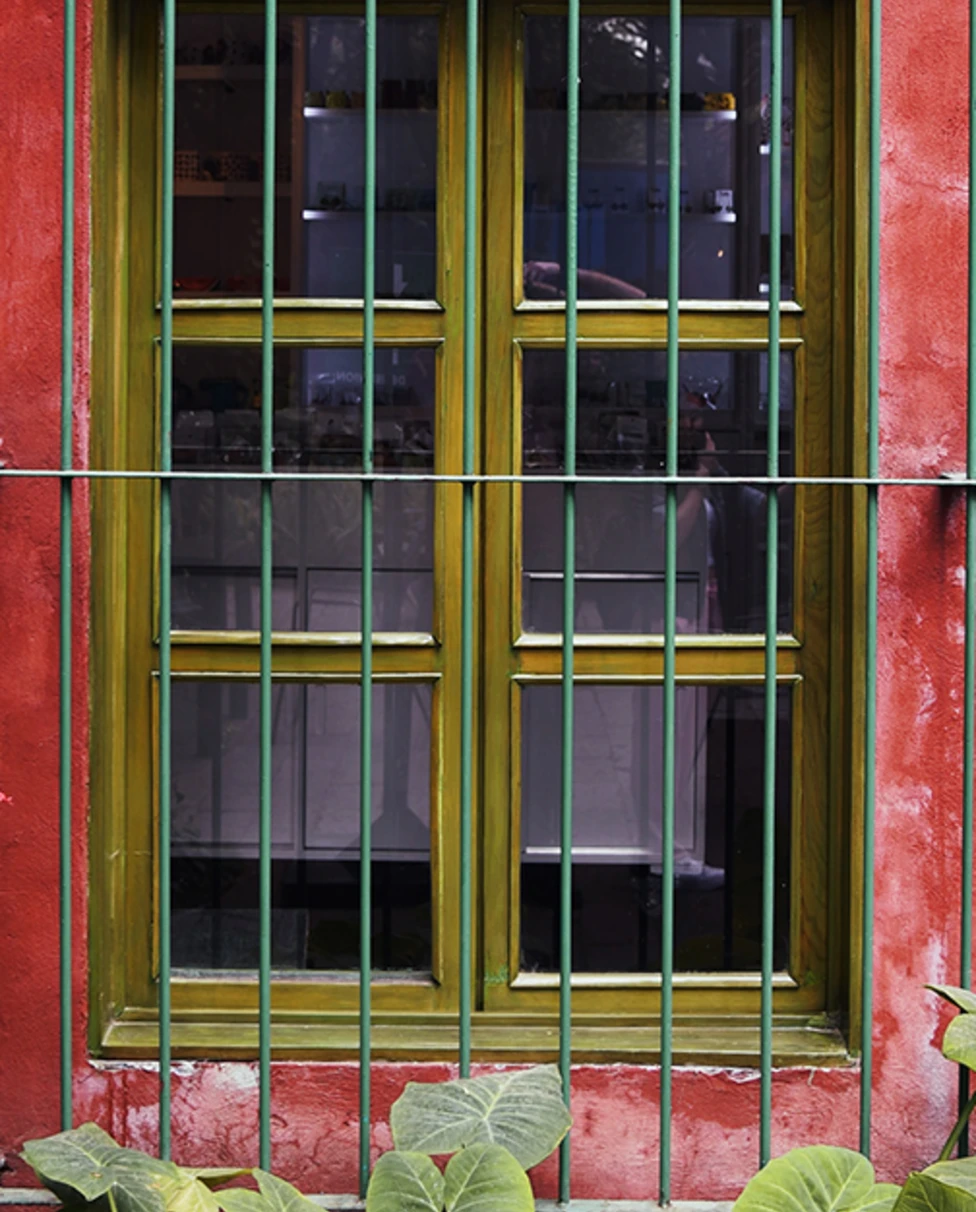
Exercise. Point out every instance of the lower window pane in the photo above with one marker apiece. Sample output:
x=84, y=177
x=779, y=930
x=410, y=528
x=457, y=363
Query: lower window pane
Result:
x=315, y=825
x=617, y=827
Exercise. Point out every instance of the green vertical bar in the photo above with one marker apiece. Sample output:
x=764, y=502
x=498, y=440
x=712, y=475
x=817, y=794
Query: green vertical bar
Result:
x=871, y=590
x=467, y=527
x=569, y=579
x=366, y=693
x=165, y=572
x=64, y=673
x=670, y=597
x=772, y=574
x=267, y=466
x=969, y=649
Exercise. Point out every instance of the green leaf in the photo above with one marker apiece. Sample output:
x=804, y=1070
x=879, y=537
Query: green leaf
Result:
x=216, y=1176
x=963, y=998
x=960, y=1173
x=405, y=1182
x=486, y=1178
x=188, y=1194
x=74, y=1160
x=816, y=1178
x=881, y=1198
x=280, y=1196
x=86, y=1162
x=241, y=1199
x=923, y=1193
x=959, y=1041
x=524, y=1111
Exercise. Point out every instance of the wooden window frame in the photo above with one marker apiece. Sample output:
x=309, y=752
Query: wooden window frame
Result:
x=615, y=1016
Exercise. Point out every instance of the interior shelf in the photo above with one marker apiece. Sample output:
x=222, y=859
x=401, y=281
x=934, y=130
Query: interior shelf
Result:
x=318, y=113
x=313, y=215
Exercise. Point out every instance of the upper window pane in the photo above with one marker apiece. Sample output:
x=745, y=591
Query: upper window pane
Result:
x=319, y=161
x=623, y=169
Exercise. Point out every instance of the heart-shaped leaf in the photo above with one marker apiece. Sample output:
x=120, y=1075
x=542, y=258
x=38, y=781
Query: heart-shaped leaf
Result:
x=962, y=998
x=486, y=1178
x=923, y=1193
x=280, y=1196
x=881, y=1198
x=74, y=1161
x=216, y=1176
x=816, y=1178
x=959, y=1041
x=85, y=1163
x=241, y=1199
x=187, y=1193
x=522, y=1110
x=405, y=1182
x=959, y=1173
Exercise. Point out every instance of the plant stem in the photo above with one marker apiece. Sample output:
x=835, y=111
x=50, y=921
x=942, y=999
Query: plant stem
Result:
x=957, y=1128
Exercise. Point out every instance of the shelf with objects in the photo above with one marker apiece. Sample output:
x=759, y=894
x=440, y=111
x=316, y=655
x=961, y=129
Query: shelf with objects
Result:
x=333, y=116
x=317, y=425
x=624, y=175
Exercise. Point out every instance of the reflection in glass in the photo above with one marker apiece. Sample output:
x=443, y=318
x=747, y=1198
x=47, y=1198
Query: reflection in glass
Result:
x=218, y=166
x=620, y=559
x=317, y=525
x=623, y=171
x=617, y=780
x=315, y=825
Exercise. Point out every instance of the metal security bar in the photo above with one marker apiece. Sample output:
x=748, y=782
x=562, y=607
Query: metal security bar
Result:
x=165, y=584
x=67, y=461
x=569, y=577
x=469, y=479
x=871, y=593
x=366, y=624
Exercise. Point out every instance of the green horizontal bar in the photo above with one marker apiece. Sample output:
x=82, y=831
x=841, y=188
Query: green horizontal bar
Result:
x=948, y=480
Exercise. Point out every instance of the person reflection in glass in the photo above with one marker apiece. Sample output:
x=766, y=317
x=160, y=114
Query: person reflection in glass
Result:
x=546, y=280
x=725, y=524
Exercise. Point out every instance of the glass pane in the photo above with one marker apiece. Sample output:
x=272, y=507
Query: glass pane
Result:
x=617, y=828
x=623, y=171
x=317, y=524
x=319, y=155
x=315, y=825
x=620, y=565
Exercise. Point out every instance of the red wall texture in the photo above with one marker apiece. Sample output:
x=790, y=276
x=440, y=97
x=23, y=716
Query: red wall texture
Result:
x=923, y=271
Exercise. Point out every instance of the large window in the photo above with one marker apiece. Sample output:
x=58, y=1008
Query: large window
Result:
x=725, y=374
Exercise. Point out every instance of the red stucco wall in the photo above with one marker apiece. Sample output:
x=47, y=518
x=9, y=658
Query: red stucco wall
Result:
x=919, y=699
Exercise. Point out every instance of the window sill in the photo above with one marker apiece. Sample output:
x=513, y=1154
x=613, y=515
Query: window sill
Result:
x=731, y=1042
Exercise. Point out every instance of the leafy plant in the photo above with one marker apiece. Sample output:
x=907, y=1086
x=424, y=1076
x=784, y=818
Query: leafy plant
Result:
x=959, y=1045
x=86, y=1169
x=494, y=1127
x=823, y=1178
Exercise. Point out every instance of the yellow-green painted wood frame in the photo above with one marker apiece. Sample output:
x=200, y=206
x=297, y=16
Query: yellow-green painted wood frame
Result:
x=615, y=1016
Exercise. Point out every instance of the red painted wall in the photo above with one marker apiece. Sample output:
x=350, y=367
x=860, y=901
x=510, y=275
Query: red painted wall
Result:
x=919, y=700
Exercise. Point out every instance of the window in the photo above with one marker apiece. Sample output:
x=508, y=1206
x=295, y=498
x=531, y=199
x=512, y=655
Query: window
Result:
x=725, y=373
